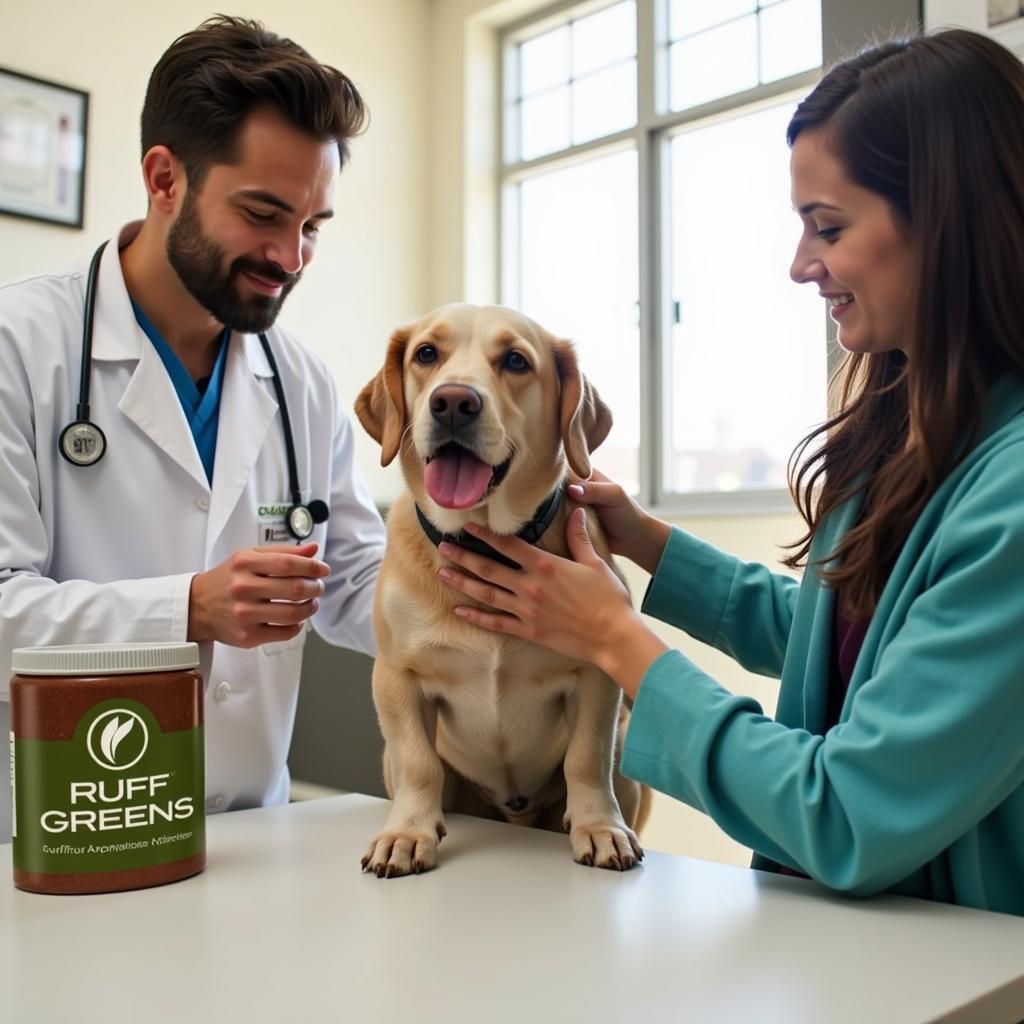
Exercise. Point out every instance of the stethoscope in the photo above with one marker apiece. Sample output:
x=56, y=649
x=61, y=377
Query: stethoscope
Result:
x=82, y=442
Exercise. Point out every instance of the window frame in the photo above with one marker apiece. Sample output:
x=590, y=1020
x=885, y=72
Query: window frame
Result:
x=651, y=138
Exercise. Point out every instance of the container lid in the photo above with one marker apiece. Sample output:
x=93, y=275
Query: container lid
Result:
x=103, y=659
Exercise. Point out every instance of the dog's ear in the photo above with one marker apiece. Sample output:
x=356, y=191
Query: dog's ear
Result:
x=381, y=404
x=585, y=419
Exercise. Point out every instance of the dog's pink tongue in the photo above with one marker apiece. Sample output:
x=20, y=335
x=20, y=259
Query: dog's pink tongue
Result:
x=456, y=478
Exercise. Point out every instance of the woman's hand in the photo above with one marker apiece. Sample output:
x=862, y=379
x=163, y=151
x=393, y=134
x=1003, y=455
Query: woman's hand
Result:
x=629, y=530
x=577, y=607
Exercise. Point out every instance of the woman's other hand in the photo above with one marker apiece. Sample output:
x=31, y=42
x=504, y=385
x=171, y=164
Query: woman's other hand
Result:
x=630, y=531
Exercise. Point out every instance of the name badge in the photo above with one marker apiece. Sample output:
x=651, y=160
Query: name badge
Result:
x=272, y=526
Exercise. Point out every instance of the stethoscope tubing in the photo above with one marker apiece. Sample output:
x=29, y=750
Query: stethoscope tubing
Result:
x=300, y=518
x=82, y=412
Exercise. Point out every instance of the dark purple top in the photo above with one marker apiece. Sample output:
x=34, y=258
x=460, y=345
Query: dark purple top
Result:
x=847, y=640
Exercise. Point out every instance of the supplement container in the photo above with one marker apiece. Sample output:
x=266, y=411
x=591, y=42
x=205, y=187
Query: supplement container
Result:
x=106, y=766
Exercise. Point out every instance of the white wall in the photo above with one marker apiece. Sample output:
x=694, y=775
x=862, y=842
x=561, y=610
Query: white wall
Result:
x=463, y=194
x=371, y=269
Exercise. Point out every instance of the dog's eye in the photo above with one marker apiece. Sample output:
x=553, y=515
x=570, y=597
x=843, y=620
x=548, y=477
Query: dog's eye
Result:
x=515, y=361
x=426, y=354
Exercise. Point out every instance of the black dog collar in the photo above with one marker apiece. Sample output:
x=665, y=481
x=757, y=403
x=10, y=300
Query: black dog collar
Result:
x=531, y=532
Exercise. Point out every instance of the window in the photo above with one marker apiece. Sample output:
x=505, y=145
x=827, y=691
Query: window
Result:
x=576, y=82
x=646, y=216
x=716, y=49
x=746, y=359
x=578, y=277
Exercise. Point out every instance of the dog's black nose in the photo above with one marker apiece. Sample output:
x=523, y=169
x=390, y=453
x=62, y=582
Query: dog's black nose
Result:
x=455, y=405
x=517, y=804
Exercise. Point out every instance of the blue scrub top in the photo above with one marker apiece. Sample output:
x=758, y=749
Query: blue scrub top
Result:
x=202, y=408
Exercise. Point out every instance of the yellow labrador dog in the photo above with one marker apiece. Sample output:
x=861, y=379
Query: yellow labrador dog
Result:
x=487, y=412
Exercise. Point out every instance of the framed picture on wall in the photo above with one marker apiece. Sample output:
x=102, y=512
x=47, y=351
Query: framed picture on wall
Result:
x=1002, y=11
x=43, y=129
x=1006, y=23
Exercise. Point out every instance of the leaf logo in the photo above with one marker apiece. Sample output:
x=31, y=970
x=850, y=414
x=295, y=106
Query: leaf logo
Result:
x=107, y=734
x=113, y=733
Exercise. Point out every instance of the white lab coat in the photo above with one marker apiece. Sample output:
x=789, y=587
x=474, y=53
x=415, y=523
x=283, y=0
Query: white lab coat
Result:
x=106, y=553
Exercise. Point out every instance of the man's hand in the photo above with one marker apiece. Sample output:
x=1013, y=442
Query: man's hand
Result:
x=258, y=596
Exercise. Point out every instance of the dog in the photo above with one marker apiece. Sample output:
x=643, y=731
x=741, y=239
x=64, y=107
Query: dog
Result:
x=488, y=414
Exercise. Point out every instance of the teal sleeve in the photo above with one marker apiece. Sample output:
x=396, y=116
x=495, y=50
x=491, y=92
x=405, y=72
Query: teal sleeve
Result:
x=934, y=741
x=741, y=608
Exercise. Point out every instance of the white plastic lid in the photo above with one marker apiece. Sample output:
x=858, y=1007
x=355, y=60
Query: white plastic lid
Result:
x=103, y=659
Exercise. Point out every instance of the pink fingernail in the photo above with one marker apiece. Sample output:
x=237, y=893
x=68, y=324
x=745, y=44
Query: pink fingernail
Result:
x=445, y=548
x=576, y=490
x=462, y=612
x=472, y=528
x=445, y=574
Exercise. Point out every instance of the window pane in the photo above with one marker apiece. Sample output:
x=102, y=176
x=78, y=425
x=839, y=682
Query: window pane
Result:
x=790, y=38
x=579, y=279
x=607, y=37
x=747, y=362
x=689, y=16
x=544, y=61
x=604, y=102
x=544, y=123
x=716, y=63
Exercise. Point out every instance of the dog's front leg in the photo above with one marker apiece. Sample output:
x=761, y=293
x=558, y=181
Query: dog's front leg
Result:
x=597, y=831
x=415, y=826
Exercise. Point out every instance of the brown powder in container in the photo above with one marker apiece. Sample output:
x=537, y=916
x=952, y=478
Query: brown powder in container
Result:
x=108, y=767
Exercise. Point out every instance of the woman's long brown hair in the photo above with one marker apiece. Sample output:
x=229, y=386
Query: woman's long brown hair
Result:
x=935, y=125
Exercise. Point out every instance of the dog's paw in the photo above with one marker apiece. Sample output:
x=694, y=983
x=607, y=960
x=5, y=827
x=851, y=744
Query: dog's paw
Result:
x=393, y=854
x=605, y=844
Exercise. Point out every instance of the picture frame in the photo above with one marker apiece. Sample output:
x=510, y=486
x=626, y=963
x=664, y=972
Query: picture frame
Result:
x=1006, y=24
x=1001, y=12
x=43, y=136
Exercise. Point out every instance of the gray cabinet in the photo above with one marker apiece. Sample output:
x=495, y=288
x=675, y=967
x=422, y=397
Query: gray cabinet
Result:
x=337, y=741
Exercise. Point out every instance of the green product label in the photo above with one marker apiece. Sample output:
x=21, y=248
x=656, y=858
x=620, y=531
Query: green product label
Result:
x=120, y=794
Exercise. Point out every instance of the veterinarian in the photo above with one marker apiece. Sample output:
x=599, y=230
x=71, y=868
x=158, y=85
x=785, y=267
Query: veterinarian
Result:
x=204, y=489
x=896, y=760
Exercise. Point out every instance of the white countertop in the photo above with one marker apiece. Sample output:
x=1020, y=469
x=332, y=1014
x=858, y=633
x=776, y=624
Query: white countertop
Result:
x=282, y=926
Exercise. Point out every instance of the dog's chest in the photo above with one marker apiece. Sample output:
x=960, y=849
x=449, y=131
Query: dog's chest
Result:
x=501, y=707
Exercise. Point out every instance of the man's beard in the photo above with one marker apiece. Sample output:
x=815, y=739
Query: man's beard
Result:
x=198, y=259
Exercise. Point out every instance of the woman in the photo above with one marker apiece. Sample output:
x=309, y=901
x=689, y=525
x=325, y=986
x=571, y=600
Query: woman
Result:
x=896, y=761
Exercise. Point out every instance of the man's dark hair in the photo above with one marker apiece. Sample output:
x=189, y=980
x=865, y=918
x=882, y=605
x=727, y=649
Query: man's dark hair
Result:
x=209, y=80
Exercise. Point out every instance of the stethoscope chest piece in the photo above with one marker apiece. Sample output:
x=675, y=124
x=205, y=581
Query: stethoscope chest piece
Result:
x=302, y=518
x=82, y=443
x=300, y=522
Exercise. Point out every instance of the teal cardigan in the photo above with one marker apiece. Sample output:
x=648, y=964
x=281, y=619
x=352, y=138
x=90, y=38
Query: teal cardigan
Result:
x=919, y=789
